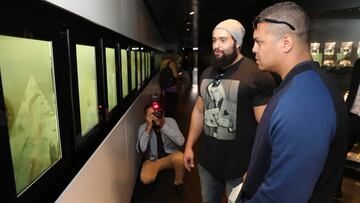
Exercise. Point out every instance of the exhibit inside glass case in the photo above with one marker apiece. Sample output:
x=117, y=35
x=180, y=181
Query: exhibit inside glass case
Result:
x=124, y=73
x=138, y=66
x=354, y=154
x=28, y=83
x=329, y=52
x=315, y=52
x=133, y=69
x=148, y=68
x=343, y=58
x=111, y=77
x=87, y=86
x=143, y=66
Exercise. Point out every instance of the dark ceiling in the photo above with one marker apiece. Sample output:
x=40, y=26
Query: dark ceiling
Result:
x=178, y=27
x=173, y=19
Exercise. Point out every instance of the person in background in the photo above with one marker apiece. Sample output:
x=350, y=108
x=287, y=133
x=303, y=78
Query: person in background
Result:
x=301, y=141
x=160, y=139
x=169, y=89
x=233, y=96
x=353, y=105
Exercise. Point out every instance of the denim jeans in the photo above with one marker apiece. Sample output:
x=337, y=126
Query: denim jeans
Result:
x=212, y=188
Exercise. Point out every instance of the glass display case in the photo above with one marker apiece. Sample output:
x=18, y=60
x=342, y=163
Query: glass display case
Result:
x=329, y=52
x=143, y=66
x=133, y=70
x=138, y=69
x=148, y=69
x=124, y=73
x=87, y=87
x=28, y=82
x=111, y=78
x=315, y=52
x=343, y=58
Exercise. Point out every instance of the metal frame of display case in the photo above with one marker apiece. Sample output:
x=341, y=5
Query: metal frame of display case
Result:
x=23, y=27
x=41, y=20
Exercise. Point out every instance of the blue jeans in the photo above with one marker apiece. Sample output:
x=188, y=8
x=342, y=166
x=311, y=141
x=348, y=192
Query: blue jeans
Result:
x=212, y=188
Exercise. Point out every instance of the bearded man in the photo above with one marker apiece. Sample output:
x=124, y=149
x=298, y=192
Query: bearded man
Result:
x=233, y=96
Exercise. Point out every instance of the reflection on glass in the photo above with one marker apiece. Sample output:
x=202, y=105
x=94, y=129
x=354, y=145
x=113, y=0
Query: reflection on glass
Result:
x=133, y=69
x=31, y=107
x=111, y=77
x=124, y=73
x=138, y=62
x=143, y=66
x=86, y=69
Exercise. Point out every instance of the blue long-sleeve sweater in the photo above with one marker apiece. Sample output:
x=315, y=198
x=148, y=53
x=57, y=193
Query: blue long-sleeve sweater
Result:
x=300, y=145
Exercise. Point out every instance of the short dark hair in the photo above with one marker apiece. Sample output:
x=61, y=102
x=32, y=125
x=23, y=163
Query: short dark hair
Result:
x=148, y=105
x=291, y=13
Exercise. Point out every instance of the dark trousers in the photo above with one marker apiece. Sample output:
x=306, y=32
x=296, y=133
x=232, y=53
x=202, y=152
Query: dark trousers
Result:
x=170, y=103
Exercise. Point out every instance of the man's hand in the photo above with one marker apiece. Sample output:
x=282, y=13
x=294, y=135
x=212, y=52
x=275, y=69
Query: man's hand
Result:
x=189, y=158
x=149, y=121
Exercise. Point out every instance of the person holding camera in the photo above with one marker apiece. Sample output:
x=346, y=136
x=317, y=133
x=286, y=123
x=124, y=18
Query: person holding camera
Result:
x=160, y=139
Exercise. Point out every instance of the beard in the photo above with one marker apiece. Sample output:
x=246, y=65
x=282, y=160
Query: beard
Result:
x=225, y=60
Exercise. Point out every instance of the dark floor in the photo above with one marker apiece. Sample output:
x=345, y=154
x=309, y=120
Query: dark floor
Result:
x=163, y=190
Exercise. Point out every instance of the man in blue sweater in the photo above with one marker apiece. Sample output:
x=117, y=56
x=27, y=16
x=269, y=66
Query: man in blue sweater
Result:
x=300, y=146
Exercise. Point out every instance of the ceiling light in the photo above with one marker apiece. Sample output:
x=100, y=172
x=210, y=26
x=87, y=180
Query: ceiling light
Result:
x=192, y=13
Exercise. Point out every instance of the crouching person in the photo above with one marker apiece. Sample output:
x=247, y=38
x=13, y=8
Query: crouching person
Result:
x=160, y=139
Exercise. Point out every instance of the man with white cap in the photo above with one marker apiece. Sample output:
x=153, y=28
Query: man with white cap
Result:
x=233, y=96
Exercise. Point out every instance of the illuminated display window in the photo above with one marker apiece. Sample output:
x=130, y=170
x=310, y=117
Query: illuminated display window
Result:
x=124, y=73
x=148, y=65
x=27, y=72
x=143, y=66
x=138, y=62
x=86, y=70
x=111, y=78
x=133, y=70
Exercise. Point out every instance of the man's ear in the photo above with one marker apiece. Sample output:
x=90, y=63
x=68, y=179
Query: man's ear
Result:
x=237, y=45
x=287, y=43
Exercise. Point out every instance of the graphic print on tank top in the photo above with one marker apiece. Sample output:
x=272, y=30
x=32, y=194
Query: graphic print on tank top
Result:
x=220, y=99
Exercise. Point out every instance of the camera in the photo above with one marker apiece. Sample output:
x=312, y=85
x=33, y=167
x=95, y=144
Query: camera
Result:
x=155, y=102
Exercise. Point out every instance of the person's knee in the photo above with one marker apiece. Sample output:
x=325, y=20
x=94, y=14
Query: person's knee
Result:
x=148, y=174
x=178, y=158
x=146, y=178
